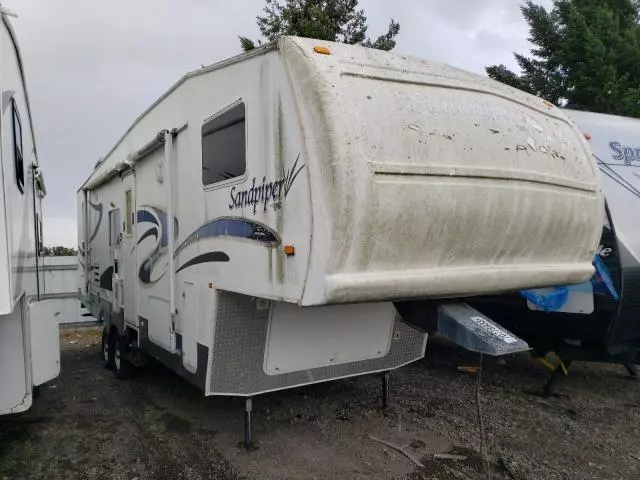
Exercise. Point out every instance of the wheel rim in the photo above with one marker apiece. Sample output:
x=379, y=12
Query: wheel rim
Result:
x=117, y=357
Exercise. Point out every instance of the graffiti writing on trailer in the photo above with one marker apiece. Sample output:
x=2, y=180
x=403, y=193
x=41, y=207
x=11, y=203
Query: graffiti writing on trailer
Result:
x=266, y=193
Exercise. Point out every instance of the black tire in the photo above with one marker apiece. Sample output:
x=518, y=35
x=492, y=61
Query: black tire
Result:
x=107, y=350
x=122, y=367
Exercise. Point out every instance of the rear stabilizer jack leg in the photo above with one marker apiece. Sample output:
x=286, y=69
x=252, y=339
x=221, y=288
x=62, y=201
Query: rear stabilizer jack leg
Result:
x=248, y=444
x=386, y=389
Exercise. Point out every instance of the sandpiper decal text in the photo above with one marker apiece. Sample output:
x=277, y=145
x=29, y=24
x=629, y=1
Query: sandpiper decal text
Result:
x=266, y=193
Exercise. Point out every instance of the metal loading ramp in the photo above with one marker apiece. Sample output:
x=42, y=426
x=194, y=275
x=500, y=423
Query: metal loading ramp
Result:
x=474, y=331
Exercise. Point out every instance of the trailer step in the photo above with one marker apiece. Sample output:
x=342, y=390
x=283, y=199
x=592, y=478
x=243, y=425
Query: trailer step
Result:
x=474, y=331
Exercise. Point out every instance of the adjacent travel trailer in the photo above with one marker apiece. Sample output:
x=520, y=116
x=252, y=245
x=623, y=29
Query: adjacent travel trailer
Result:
x=597, y=321
x=254, y=226
x=29, y=345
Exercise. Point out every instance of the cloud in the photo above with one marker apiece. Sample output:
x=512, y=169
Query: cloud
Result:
x=468, y=34
x=94, y=66
x=58, y=231
x=467, y=14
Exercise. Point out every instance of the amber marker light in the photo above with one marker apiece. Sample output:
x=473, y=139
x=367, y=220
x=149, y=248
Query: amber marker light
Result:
x=322, y=50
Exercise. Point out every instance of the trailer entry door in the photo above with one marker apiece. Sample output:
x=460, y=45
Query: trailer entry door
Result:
x=129, y=267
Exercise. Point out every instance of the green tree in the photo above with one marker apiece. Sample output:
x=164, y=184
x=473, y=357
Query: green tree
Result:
x=331, y=20
x=58, y=252
x=586, y=55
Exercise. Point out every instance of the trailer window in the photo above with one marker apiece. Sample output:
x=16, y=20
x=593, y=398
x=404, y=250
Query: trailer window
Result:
x=114, y=226
x=224, y=146
x=17, y=148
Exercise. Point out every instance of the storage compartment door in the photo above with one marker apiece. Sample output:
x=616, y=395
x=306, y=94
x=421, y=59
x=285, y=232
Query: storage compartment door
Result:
x=44, y=318
x=15, y=388
x=189, y=315
x=308, y=338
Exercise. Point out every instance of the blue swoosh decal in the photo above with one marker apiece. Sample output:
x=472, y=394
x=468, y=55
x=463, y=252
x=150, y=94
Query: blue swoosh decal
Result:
x=97, y=208
x=158, y=230
x=233, y=227
x=205, y=258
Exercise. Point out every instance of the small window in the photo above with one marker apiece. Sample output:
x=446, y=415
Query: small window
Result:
x=114, y=226
x=129, y=220
x=17, y=148
x=223, y=146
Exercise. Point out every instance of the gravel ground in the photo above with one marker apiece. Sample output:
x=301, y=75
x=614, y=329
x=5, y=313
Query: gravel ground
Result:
x=89, y=425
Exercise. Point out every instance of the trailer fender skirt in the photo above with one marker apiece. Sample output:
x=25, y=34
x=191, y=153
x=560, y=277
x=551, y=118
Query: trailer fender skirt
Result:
x=473, y=331
x=548, y=301
x=553, y=300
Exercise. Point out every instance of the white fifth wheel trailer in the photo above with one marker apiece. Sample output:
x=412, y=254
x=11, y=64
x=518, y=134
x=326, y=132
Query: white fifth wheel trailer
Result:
x=253, y=227
x=29, y=344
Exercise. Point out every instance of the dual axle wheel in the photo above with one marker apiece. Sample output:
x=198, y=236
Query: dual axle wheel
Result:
x=115, y=351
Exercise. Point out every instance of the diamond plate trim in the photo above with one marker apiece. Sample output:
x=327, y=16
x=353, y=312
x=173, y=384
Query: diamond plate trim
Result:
x=237, y=358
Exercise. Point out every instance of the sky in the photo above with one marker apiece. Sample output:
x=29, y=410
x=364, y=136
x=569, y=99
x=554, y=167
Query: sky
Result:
x=94, y=65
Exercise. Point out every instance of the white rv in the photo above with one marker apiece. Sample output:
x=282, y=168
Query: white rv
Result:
x=253, y=227
x=598, y=320
x=29, y=348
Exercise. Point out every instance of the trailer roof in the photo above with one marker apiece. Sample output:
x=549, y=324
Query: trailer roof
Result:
x=407, y=70
x=102, y=167
x=14, y=40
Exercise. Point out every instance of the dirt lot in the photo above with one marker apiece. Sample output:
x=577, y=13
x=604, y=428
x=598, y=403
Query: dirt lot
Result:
x=89, y=425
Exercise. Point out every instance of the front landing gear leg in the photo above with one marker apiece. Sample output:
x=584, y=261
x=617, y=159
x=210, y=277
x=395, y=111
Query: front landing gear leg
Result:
x=632, y=369
x=561, y=371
